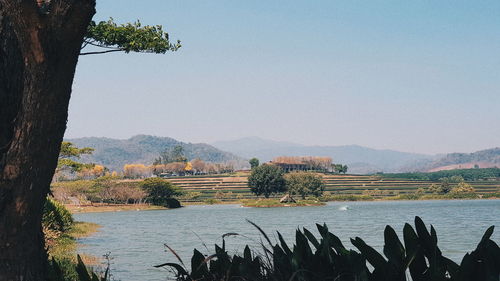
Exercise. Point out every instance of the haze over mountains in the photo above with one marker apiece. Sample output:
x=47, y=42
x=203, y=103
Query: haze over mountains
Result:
x=359, y=159
x=362, y=160
x=114, y=153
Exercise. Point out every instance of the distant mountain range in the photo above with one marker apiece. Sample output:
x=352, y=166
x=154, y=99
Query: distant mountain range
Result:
x=114, y=153
x=143, y=149
x=362, y=160
x=359, y=159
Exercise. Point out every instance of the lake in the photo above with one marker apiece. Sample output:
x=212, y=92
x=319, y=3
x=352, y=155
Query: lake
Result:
x=135, y=239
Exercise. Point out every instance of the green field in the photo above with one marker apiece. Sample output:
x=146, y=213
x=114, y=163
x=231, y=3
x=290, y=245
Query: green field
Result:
x=234, y=187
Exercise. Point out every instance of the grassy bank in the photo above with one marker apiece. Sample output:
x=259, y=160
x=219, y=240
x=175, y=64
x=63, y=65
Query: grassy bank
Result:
x=274, y=202
x=97, y=208
x=65, y=246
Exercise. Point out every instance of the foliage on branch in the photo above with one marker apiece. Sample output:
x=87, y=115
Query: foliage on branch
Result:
x=266, y=180
x=254, y=162
x=304, y=183
x=129, y=37
x=69, y=150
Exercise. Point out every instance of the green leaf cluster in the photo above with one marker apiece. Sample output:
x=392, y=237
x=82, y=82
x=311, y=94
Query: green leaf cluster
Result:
x=339, y=168
x=304, y=183
x=75, y=166
x=55, y=216
x=219, y=266
x=129, y=37
x=266, y=180
x=254, y=162
x=160, y=190
x=69, y=152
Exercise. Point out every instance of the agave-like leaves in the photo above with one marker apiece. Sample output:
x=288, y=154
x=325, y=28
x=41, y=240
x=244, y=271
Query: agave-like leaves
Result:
x=326, y=258
x=417, y=264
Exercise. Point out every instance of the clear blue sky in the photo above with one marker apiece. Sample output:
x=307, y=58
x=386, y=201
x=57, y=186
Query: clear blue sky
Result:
x=418, y=76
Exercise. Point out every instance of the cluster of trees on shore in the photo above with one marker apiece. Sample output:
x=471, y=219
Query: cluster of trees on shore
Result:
x=270, y=179
x=111, y=190
x=194, y=167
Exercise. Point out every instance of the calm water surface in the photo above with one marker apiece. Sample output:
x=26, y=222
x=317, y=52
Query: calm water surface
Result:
x=135, y=239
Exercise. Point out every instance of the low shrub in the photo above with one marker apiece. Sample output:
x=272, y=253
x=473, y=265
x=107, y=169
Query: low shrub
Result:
x=211, y=201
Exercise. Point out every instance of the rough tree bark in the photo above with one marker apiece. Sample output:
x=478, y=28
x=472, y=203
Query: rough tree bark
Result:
x=39, y=51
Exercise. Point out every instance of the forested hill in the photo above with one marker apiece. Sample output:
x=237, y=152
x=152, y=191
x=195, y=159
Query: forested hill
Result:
x=114, y=153
x=483, y=159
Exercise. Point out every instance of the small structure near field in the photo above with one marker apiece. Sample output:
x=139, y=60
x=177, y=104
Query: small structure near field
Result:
x=303, y=163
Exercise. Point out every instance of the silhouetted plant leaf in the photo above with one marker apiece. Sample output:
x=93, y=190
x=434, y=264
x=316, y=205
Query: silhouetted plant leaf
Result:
x=81, y=269
x=418, y=266
x=371, y=255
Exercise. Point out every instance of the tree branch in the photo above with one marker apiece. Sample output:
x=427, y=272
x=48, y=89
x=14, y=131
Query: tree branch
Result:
x=85, y=43
x=102, y=52
x=102, y=46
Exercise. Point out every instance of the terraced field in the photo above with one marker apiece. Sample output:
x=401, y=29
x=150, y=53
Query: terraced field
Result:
x=233, y=187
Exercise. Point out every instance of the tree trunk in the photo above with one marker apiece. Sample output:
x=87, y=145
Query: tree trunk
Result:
x=38, y=55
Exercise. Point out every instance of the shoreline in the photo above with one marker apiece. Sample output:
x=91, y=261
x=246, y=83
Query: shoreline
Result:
x=284, y=205
x=102, y=208
x=75, y=209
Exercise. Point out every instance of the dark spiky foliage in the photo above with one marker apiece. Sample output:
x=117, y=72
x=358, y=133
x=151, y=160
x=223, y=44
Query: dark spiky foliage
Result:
x=416, y=258
x=58, y=272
